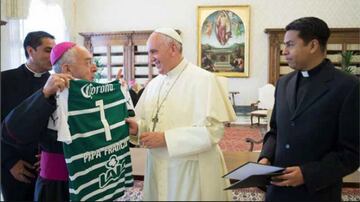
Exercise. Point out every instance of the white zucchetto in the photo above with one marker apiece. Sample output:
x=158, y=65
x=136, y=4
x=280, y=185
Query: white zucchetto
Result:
x=171, y=33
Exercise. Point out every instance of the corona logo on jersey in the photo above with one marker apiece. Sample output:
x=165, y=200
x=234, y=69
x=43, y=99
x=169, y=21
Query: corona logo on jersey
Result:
x=88, y=90
x=115, y=169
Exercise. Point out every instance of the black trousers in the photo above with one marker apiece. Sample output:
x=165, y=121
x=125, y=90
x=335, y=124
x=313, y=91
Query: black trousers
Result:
x=51, y=190
x=14, y=190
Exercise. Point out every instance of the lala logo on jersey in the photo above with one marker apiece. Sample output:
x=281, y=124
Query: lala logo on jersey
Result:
x=115, y=169
x=88, y=90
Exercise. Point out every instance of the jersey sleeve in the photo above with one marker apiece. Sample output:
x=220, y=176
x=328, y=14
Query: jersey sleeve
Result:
x=61, y=114
x=129, y=103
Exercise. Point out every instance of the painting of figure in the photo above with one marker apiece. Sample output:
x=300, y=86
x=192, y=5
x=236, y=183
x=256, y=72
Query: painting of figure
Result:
x=223, y=27
x=223, y=41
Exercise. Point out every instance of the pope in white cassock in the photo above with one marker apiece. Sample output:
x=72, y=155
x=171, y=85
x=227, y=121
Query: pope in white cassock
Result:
x=180, y=119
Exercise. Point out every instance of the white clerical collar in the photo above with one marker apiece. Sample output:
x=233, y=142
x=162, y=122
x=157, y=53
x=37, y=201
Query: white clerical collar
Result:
x=38, y=75
x=305, y=73
x=176, y=70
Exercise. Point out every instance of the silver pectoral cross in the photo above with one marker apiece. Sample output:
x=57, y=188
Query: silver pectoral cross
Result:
x=155, y=120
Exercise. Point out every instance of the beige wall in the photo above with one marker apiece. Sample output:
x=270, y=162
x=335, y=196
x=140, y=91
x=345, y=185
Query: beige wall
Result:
x=121, y=15
x=115, y=15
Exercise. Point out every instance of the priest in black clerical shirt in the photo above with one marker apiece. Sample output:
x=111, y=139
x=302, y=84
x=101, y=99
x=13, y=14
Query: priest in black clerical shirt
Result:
x=314, y=129
x=18, y=172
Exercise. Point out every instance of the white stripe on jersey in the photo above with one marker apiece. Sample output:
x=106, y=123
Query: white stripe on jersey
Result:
x=96, y=180
x=85, y=198
x=95, y=132
x=94, y=167
x=95, y=109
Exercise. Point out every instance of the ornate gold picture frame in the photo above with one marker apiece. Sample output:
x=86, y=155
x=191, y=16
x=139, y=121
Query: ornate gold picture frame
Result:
x=224, y=39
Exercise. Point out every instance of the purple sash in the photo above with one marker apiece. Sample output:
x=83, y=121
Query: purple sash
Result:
x=53, y=166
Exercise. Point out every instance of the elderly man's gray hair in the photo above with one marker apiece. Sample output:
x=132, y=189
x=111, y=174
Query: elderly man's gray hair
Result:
x=168, y=40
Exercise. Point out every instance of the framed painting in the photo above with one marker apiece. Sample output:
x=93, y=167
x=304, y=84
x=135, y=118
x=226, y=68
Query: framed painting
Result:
x=224, y=39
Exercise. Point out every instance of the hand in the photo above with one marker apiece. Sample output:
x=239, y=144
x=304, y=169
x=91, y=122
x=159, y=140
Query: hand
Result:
x=292, y=176
x=264, y=161
x=133, y=127
x=56, y=82
x=119, y=76
x=20, y=171
x=153, y=139
x=37, y=163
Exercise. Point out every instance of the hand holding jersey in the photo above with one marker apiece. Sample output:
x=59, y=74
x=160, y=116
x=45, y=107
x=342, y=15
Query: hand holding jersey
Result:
x=55, y=83
x=133, y=127
x=147, y=139
x=153, y=140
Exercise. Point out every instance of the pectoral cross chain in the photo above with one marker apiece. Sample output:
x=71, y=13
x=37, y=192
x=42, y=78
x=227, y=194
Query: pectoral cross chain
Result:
x=159, y=104
x=155, y=120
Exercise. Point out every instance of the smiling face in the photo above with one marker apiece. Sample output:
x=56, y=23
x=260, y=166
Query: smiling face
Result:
x=161, y=53
x=298, y=54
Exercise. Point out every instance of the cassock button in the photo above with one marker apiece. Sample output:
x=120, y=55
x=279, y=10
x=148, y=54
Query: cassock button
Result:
x=287, y=146
x=292, y=123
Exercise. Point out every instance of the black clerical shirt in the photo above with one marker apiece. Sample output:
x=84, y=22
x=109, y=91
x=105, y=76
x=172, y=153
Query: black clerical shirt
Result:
x=303, y=82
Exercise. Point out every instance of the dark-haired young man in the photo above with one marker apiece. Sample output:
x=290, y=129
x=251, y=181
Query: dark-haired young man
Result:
x=315, y=122
x=18, y=173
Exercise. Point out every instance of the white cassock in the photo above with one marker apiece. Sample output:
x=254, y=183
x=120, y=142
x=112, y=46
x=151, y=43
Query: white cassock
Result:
x=192, y=116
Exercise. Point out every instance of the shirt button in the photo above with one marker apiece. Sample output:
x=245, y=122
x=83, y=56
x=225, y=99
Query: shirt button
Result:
x=287, y=146
x=292, y=123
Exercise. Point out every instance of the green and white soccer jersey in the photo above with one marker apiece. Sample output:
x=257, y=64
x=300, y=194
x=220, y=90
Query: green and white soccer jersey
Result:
x=97, y=154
